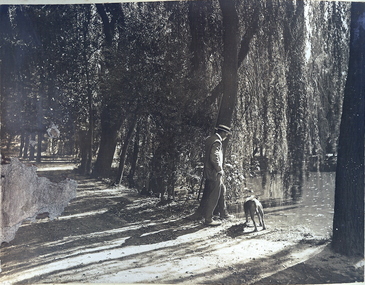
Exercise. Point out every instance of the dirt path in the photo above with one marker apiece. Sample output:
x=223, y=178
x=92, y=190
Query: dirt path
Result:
x=113, y=235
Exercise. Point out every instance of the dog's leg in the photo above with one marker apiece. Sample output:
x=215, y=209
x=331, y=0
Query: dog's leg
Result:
x=245, y=224
x=246, y=217
x=258, y=213
x=252, y=214
x=261, y=215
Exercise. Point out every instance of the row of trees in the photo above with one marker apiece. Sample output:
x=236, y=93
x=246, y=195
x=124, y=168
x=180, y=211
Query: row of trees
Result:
x=142, y=84
x=146, y=83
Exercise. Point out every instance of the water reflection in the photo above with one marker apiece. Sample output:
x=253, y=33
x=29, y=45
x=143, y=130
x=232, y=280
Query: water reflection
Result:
x=310, y=203
x=274, y=192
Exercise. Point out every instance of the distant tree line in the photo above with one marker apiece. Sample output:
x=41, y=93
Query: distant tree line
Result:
x=134, y=88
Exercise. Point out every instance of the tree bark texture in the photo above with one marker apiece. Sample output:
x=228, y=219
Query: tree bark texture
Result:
x=111, y=120
x=348, y=221
x=230, y=63
x=108, y=141
x=242, y=53
x=123, y=154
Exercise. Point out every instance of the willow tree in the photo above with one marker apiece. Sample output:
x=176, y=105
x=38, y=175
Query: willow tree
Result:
x=348, y=221
x=294, y=45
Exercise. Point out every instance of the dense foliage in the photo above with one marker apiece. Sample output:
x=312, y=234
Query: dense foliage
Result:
x=138, y=86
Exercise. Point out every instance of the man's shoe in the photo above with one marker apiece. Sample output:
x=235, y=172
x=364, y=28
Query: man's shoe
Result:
x=212, y=223
x=227, y=217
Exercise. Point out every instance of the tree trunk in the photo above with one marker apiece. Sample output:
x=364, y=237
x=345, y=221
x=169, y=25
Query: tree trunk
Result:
x=39, y=146
x=111, y=113
x=83, y=143
x=21, y=147
x=123, y=153
x=32, y=146
x=26, y=144
x=85, y=147
x=108, y=141
x=90, y=136
x=39, y=125
x=230, y=64
x=242, y=53
x=134, y=157
x=90, y=133
x=87, y=136
x=348, y=221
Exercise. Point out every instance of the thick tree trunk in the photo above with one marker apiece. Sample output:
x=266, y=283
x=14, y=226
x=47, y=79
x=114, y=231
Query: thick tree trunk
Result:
x=105, y=157
x=230, y=63
x=242, y=53
x=111, y=15
x=348, y=221
x=108, y=142
x=84, y=150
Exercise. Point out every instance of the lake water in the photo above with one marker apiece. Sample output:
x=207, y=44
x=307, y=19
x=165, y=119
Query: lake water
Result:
x=313, y=209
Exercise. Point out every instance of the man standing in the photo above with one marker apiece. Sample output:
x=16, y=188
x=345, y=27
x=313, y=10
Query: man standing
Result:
x=214, y=189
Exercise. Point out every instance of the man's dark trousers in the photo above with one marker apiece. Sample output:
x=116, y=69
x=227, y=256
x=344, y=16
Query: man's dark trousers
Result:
x=213, y=196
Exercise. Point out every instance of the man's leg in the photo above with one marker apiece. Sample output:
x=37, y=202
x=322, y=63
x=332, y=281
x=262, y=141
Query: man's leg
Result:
x=212, y=200
x=222, y=206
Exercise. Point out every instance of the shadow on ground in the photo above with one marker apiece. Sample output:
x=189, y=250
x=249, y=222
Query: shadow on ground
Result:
x=113, y=235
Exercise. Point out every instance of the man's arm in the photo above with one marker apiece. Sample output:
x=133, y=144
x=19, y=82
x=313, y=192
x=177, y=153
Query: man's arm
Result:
x=216, y=157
